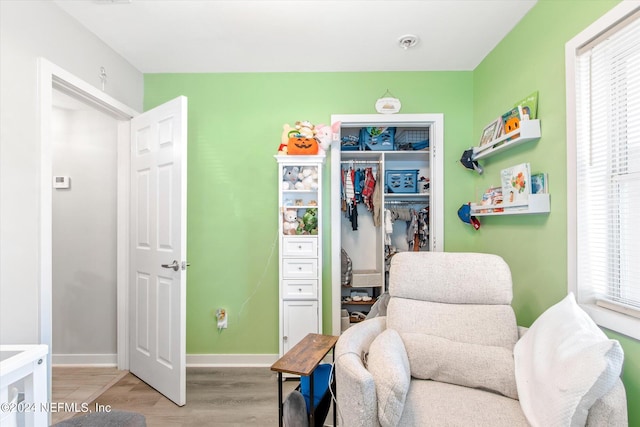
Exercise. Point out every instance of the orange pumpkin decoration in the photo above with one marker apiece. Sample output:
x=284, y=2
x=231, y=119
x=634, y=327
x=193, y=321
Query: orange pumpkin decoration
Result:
x=511, y=124
x=299, y=145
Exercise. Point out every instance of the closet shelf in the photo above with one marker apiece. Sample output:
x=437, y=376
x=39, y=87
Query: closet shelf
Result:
x=529, y=131
x=298, y=207
x=407, y=196
x=373, y=301
x=299, y=191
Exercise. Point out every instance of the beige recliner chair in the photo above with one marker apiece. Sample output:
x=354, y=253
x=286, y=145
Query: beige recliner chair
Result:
x=449, y=352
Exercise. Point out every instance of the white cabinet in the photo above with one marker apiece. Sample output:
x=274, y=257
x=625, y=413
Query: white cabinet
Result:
x=300, y=247
x=299, y=318
x=408, y=180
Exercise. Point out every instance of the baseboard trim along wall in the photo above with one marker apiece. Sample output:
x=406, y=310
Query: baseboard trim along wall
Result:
x=106, y=360
x=231, y=360
x=193, y=360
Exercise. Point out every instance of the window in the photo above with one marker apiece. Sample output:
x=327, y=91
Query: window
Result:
x=603, y=146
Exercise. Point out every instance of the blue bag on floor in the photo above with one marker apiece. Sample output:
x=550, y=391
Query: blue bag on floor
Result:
x=320, y=384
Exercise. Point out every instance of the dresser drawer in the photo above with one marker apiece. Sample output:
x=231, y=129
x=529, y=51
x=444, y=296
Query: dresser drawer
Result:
x=300, y=268
x=300, y=289
x=300, y=246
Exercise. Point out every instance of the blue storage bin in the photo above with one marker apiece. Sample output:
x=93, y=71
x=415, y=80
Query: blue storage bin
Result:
x=320, y=384
x=378, y=138
x=413, y=139
x=350, y=143
x=401, y=181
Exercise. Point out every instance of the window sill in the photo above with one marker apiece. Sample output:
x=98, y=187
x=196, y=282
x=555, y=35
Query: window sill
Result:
x=610, y=319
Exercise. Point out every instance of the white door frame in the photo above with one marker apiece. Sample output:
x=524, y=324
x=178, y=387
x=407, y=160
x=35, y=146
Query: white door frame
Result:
x=51, y=76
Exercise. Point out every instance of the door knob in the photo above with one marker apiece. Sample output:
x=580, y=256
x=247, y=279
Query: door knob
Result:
x=174, y=265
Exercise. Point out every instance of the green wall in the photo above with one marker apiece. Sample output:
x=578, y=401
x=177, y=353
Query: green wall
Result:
x=531, y=58
x=235, y=122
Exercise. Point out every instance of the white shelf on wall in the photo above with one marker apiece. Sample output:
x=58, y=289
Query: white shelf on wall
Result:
x=529, y=130
x=537, y=204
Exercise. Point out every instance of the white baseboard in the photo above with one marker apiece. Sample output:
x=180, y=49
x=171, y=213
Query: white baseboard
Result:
x=106, y=360
x=231, y=360
x=193, y=360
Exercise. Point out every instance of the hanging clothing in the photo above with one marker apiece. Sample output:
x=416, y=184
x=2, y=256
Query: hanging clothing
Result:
x=388, y=227
x=376, y=200
x=349, y=202
x=349, y=188
x=412, y=230
x=368, y=185
x=423, y=227
x=357, y=185
x=353, y=215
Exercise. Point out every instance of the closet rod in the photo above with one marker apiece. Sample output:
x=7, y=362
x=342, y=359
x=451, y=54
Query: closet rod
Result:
x=360, y=162
x=403, y=202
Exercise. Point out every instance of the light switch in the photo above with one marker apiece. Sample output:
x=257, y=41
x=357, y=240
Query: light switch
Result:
x=61, y=182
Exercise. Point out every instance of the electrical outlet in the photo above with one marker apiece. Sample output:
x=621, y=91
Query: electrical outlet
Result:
x=221, y=315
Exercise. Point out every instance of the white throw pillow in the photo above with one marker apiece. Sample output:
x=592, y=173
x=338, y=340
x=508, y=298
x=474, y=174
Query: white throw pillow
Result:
x=389, y=366
x=563, y=364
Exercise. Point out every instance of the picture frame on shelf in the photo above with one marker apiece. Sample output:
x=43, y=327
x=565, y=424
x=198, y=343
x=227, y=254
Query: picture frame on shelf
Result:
x=491, y=131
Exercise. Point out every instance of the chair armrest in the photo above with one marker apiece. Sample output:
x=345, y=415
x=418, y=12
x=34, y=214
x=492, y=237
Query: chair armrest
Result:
x=357, y=403
x=610, y=409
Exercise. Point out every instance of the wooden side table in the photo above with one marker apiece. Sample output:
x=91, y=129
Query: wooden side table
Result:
x=303, y=359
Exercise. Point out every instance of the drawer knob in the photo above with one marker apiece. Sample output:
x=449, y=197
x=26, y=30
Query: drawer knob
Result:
x=299, y=289
x=300, y=268
x=299, y=246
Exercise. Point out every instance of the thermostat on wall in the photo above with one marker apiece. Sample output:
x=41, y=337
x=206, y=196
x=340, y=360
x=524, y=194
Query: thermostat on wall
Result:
x=61, y=182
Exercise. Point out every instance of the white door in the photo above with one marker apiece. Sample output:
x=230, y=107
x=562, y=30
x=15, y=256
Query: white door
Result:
x=157, y=293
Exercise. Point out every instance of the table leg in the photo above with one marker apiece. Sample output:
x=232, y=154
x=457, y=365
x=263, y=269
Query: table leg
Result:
x=280, y=403
x=311, y=412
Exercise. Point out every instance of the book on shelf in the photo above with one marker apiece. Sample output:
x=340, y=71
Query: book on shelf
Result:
x=528, y=106
x=539, y=183
x=491, y=198
x=511, y=121
x=516, y=184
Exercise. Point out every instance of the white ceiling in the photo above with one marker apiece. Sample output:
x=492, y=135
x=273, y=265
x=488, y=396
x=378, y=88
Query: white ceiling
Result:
x=205, y=36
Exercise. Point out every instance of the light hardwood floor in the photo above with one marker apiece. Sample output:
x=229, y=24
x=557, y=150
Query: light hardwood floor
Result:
x=215, y=397
x=73, y=384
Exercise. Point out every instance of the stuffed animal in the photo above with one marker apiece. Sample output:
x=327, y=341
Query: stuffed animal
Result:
x=287, y=132
x=290, y=221
x=307, y=179
x=306, y=129
x=290, y=177
x=309, y=223
x=324, y=135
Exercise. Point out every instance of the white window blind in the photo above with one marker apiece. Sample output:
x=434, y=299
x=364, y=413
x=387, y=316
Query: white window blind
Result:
x=608, y=169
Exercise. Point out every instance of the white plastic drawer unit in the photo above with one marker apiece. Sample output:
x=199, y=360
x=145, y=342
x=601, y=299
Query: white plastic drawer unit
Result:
x=300, y=268
x=300, y=246
x=299, y=289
